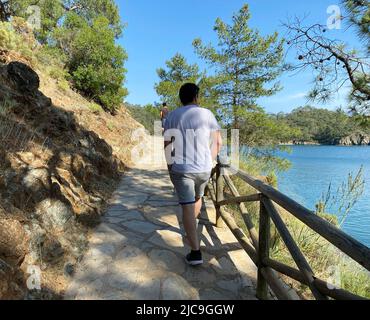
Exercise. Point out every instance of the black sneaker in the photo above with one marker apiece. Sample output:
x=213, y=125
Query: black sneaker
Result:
x=194, y=258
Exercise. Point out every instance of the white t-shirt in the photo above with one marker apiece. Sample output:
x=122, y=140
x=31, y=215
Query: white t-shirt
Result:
x=192, y=127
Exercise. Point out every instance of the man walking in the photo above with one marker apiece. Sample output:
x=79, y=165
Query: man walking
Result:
x=192, y=141
x=164, y=114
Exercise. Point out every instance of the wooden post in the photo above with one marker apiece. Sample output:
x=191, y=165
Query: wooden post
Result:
x=263, y=252
x=293, y=248
x=219, y=195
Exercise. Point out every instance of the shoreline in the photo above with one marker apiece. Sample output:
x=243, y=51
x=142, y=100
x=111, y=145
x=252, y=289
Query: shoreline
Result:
x=322, y=144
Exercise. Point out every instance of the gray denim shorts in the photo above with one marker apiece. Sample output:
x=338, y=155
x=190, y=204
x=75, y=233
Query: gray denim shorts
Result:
x=189, y=186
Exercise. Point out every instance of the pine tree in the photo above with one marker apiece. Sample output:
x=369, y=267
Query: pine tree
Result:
x=334, y=62
x=246, y=65
x=176, y=73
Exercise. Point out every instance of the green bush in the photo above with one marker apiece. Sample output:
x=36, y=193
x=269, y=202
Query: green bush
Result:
x=10, y=40
x=95, y=108
x=146, y=115
x=95, y=62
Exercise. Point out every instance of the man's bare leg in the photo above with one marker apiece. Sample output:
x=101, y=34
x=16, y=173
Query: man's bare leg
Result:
x=190, y=226
x=197, y=211
x=198, y=207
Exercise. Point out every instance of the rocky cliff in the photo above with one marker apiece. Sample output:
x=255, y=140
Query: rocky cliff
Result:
x=355, y=139
x=59, y=164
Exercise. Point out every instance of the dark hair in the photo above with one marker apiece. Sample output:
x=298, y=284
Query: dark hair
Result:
x=188, y=93
x=164, y=104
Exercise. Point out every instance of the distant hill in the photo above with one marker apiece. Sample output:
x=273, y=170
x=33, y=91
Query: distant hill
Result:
x=323, y=126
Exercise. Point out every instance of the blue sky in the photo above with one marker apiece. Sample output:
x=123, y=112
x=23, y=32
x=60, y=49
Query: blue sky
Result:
x=156, y=30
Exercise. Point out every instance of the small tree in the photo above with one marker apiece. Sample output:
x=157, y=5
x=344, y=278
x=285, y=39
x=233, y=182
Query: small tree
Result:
x=245, y=63
x=95, y=62
x=52, y=12
x=344, y=198
x=177, y=72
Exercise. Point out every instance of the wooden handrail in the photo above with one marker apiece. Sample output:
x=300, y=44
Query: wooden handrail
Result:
x=293, y=248
x=326, y=288
x=264, y=251
x=258, y=250
x=241, y=199
x=350, y=246
x=245, y=214
x=275, y=282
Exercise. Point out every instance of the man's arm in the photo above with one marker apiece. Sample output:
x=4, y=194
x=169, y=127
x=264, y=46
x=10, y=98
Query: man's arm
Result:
x=216, y=144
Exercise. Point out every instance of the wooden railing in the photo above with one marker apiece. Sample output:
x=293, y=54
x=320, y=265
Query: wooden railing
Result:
x=257, y=245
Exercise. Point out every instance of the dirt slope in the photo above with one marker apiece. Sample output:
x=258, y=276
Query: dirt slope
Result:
x=60, y=160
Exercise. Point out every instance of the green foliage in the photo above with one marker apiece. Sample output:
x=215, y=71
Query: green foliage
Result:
x=359, y=14
x=245, y=65
x=354, y=279
x=335, y=62
x=51, y=60
x=92, y=9
x=80, y=34
x=48, y=56
x=321, y=125
x=95, y=62
x=177, y=73
x=257, y=128
x=146, y=115
x=53, y=12
x=344, y=198
x=11, y=40
x=95, y=108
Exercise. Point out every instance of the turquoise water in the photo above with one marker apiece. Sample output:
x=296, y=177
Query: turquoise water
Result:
x=315, y=167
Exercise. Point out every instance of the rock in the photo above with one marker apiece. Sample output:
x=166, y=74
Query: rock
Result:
x=5, y=268
x=9, y=289
x=170, y=240
x=44, y=247
x=69, y=269
x=13, y=239
x=23, y=76
x=34, y=177
x=37, y=237
x=200, y=276
x=148, y=288
x=224, y=266
x=141, y=227
x=52, y=250
x=357, y=139
x=5, y=273
x=176, y=288
x=211, y=294
x=38, y=181
x=164, y=216
x=54, y=213
x=90, y=291
x=167, y=260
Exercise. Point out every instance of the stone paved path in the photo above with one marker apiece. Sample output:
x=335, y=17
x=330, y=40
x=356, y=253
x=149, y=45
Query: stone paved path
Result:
x=137, y=253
